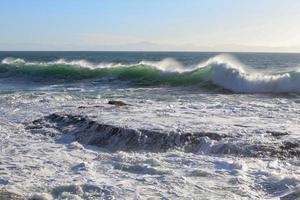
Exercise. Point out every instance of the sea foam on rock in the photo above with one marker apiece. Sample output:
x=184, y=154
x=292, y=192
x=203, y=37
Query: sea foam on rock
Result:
x=11, y=193
x=89, y=132
x=86, y=131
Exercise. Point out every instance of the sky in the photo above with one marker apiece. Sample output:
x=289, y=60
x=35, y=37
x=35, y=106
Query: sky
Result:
x=224, y=25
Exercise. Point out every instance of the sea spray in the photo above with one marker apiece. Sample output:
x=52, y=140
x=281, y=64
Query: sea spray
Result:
x=222, y=71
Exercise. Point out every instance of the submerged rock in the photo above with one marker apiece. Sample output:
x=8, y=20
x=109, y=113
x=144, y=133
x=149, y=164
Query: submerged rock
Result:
x=117, y=103
x=280, y=150
x=41, y=196
x=295, y=194
x=291, y=148
x=11, y=194
x=84, y=191
x=90, y=132
x=86, y=131
x=277, y=134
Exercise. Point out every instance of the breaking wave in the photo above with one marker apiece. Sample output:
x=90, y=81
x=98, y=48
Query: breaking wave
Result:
x=222, y=71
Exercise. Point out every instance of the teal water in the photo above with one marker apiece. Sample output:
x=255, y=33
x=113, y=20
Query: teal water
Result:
x=221, y=126
x=235, y=72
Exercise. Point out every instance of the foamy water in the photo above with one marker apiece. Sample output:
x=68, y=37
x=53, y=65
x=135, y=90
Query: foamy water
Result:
x=62, y=140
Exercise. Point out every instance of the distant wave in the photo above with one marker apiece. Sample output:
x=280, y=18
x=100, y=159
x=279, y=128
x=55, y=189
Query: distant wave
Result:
x=222, y=71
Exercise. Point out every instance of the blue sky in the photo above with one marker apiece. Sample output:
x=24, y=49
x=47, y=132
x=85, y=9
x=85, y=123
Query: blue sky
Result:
x=92, y=24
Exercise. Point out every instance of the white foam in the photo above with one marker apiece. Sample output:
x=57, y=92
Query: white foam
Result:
x=226, y=72
x=10, y=61
x=35, y=163
x=167, y=65
x=80, y=63
x=232, y=75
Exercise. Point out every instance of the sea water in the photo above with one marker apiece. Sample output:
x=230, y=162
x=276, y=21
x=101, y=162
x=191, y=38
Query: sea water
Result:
x=195, y=125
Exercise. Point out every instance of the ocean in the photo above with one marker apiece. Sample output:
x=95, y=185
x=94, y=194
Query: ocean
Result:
x=150, y=125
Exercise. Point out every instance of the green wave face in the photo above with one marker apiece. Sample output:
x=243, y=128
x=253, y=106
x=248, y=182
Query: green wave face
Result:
x=44, y=73
x=138, y=74
x=214, y=73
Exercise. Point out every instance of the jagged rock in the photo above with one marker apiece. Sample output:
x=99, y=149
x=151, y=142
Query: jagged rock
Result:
x=89, y=132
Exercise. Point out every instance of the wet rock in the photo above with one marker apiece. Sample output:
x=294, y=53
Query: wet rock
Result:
x=290, y=145
x=86, y=131
x=117, y=103
x=85, y=192
x=277, y=134
x=41, y=196
x=10, y=194
x=243, y=126
x=86, y=107
x=90, y=132
x=212, y=136
x=283, y=150
x=291, y=149
x=80, y=167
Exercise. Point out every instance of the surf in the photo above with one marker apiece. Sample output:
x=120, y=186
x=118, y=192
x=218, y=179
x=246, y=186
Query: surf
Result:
x=222, y=71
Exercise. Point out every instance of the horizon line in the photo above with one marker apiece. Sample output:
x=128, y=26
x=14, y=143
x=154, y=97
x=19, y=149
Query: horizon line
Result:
x=158, y=51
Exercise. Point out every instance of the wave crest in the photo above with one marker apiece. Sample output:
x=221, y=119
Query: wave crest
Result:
x=237, y=78
x=223, y=71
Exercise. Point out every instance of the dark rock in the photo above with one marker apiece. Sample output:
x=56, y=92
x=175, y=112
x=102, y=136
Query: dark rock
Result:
x=283, y=150
x=85, y=107
x=291, y=149
x=277, y=134
x=290, y=145
x=90, y=132
x=117, y=103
